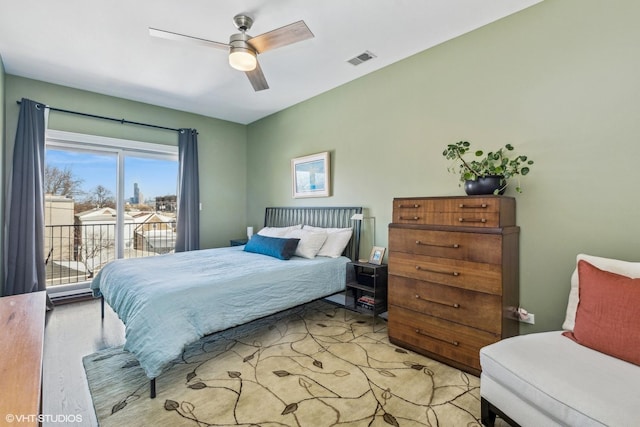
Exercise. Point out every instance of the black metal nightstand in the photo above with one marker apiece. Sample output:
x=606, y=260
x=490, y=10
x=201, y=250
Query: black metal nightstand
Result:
x=367, y=292
x=238, y=242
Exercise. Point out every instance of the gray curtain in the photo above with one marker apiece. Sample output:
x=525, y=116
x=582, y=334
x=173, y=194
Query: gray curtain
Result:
x=188, y=227
x=24, y=244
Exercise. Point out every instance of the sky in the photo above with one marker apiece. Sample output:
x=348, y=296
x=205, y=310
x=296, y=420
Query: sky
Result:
x=154, y=177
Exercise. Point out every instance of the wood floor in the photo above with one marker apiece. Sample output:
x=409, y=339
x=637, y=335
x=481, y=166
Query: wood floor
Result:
x=73, y=331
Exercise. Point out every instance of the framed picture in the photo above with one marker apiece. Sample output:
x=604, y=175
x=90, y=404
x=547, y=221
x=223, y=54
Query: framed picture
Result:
x=310, y=176
x=377, y=253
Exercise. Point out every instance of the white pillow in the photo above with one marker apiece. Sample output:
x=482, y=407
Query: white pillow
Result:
x=278, y=231
x=310, y=242
x=623, y=268
x=337, y=240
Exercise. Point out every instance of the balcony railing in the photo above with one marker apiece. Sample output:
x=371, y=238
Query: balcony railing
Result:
x=77, y=252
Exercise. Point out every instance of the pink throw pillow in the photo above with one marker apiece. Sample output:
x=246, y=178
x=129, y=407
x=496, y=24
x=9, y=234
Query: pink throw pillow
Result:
x=608, y=315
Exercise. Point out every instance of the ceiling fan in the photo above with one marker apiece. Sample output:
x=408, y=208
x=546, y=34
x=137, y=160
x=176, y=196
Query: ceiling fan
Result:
x=243, y=49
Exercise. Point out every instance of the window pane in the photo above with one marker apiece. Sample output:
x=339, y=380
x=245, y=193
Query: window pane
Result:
x=150, y=206
x=79, y=214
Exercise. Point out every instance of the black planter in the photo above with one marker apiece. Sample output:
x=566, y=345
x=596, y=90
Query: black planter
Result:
x=484, y=185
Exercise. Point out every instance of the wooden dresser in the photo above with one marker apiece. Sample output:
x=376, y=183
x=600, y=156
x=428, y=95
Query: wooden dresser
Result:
x=21, y=341
x=453, y=276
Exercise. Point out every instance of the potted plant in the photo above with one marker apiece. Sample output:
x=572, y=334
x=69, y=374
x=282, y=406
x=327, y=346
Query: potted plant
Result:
x=486, y=173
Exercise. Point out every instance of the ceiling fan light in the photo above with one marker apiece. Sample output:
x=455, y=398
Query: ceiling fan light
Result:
x=242, y=59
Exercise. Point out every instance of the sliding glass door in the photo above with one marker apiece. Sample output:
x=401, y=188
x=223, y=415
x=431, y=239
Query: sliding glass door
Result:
x=105, y=199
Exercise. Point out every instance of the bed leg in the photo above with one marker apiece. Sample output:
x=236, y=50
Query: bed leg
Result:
x=487, y=416
x=152, y=388
x=102, y=307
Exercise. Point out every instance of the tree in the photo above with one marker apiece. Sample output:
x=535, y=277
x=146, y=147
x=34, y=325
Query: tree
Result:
x=61, y=182
x=83, y=206
x=93, y=243
x=101, y=197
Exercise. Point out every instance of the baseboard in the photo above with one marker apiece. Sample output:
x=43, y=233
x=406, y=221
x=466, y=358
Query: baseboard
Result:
x=69, y=298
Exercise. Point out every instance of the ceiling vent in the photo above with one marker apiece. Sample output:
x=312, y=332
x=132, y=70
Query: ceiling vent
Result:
x=363, y=57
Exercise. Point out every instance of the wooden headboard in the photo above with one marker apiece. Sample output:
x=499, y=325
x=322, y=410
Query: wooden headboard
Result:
x=338, y=217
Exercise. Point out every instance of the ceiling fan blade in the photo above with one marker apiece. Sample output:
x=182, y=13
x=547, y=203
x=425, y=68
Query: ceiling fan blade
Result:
x=154, y=32
x=257, y=78
x=282, y=36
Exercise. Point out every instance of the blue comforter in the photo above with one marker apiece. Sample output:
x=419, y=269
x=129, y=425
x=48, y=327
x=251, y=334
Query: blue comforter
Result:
x=168, y=301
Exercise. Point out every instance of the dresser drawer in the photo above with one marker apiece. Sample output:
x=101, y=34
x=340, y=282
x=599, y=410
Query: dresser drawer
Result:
x=462, y=274
x=479, y=310
x=447, y=339
x=476, y=247
x=466, y=219
x=489, y=211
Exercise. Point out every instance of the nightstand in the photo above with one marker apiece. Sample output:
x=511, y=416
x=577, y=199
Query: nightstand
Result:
x=238, y=242
x=367, y=291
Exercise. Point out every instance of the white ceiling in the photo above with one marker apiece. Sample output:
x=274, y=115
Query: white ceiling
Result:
x=105, y=47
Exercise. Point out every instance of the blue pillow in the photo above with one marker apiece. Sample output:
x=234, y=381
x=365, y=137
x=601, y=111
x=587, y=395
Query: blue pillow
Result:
x=276, y=247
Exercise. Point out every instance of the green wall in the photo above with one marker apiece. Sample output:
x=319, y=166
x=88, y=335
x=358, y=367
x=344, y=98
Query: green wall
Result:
x=558, y=80
x=221, y=145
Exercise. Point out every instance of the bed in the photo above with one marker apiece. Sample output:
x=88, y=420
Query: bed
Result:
x=169, y=301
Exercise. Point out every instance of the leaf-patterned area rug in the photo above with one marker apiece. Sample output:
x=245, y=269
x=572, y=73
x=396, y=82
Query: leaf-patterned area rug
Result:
x=315, y=365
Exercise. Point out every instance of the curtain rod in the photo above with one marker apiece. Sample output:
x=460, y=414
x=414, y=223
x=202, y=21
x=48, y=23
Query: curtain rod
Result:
x=121, y=121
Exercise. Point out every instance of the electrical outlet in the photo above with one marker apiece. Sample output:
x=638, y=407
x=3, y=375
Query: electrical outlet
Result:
x=530, y=318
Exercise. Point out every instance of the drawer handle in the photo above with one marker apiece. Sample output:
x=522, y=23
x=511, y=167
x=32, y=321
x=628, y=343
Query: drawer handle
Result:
x=448, y=304
x=420, y=332
x=410, y=218
x=408, y=206
x=483, y=220
x=438, y=245
x=482, y=206
x=450, y=273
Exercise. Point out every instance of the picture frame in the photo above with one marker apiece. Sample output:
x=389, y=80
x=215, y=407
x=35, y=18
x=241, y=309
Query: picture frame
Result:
x=310, y=176
x=377, y=254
